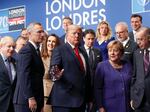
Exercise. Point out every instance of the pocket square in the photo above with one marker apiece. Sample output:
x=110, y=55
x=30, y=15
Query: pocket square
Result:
x=127, y=53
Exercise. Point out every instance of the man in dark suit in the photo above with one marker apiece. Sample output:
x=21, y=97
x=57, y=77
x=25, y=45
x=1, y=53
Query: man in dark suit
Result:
x=29, y=94
x=130, y=46
x=69, y=66
x=140, y=89
x=7, y=74
x=20, y=42
x=65, y=23
x=136, y=24
x=94, y=56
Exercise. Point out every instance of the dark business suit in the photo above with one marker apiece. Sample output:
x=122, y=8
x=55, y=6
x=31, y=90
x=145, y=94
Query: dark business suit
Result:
x=6, y=88
x=97, y=58
x=73, y=89
x=140, y=92
x=30, y=79
x=129, y=49
x=62, y=39
x=131, y=36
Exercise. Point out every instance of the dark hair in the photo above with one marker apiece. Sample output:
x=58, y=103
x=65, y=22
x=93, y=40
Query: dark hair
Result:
x=57, y=38
x=20, y=37
x=44, y=51
x=23, y=29
x=136, y=15
x=89, y=31
x=67, y=17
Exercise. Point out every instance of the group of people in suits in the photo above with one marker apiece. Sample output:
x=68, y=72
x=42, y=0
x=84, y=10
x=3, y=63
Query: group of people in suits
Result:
x=82, y=79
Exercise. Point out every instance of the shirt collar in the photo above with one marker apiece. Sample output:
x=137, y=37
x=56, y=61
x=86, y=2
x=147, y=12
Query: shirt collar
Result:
x=3, y=57
x=35, y=46
x=71, y=45
x=125, y=42
x=86, y=47
x=134, y=32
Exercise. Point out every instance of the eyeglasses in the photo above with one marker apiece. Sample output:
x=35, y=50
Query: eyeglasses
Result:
x=117, y=33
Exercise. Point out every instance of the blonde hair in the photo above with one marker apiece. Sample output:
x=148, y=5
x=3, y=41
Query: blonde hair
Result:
x=117, y=44
x=5, y=39
x=109, y=34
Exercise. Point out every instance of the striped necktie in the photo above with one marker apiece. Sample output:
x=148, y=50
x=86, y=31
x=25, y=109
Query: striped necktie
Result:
x=146, y=60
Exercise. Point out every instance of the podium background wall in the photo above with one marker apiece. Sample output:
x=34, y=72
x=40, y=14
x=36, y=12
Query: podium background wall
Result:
x=87, y=13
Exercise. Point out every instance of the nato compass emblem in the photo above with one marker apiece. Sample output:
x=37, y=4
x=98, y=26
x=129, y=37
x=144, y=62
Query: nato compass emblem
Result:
x=140, y=6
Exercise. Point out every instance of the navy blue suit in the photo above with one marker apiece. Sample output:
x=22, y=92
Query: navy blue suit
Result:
x=30, y=79
x=6, y=88
x=62, y=39
x=73, y=89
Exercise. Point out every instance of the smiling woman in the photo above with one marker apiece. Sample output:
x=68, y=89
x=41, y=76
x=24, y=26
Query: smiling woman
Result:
x=51, y=41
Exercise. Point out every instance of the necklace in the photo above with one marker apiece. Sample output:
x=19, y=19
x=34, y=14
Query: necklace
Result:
x=116, y=65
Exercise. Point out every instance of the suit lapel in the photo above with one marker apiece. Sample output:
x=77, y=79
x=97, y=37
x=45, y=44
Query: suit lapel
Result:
x=127, y=45
x=141, y=61
x=69, y=48
x=35, y=53
x=3, y=67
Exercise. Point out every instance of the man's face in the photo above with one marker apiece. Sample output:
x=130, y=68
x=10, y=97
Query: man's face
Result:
x=89, y=40
x=135, y=23
x=20, y=44
x=121, y=33
x=142, y=40
x=24, y=34
x=37, y=34
x=8, y=48
x=74, y=36
x=66, y=23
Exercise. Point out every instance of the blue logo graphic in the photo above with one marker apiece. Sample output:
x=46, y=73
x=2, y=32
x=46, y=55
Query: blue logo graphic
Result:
x=140, y=6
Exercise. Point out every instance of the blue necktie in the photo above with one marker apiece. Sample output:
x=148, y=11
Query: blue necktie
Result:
x=8, y=61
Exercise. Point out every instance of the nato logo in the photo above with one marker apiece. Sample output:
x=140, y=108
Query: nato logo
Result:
x=140, y=6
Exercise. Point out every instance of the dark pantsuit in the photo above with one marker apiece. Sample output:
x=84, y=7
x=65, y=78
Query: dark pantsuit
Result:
x=63, y=109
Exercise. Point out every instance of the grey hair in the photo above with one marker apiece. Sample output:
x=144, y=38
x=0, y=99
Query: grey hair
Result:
x=122, y=24
x=31, y=25
x=5, y=39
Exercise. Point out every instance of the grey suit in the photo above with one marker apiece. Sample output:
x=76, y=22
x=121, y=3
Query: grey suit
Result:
x=141, y=82
x=131, y=36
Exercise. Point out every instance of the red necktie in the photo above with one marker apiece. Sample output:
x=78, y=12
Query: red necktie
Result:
x=79, y=58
